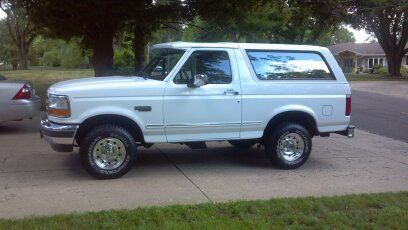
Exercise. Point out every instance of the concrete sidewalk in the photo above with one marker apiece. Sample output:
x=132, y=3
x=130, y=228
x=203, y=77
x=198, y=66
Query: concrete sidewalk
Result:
x=34, y=180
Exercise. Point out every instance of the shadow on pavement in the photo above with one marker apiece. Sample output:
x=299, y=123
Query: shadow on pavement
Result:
x=16, y=127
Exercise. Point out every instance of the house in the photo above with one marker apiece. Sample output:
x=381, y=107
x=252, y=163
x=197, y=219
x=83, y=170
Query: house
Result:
x=360, y=56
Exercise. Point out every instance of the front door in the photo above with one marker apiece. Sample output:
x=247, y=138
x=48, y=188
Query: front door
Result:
x=348, y=65
x=209, y=112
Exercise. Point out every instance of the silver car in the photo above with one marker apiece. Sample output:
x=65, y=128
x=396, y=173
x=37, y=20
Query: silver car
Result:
x=17, y=100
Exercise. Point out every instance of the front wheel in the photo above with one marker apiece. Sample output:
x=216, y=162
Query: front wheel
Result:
x=108, y=151
x=289, y=146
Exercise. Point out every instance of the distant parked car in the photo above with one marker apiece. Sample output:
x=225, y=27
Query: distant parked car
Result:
x=17, y=100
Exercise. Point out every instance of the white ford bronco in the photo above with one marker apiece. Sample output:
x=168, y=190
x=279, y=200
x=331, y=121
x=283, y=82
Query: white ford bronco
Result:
x=279, y=96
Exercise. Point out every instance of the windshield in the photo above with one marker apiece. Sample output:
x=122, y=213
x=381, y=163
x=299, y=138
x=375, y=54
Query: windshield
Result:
x=162, y=61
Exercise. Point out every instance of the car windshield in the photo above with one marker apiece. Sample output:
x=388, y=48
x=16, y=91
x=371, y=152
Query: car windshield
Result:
x=162, y=61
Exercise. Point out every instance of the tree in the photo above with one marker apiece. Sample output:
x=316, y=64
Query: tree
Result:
x=8, y=51
x=21, y=30
x=342, y=35
x=388, y=20
x=96, y=22
x=339, y=35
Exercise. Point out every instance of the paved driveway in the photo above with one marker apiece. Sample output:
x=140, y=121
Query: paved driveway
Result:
x=34, y=180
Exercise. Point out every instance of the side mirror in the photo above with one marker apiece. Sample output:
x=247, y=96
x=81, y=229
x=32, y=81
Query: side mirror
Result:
x=198, y=81
x=157, y=71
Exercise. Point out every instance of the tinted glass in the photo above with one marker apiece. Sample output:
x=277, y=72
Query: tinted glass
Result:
x=162, y=61
x=214, y=64
x=271, y=65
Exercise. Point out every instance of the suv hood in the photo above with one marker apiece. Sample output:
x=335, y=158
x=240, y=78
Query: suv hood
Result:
x=107, y=87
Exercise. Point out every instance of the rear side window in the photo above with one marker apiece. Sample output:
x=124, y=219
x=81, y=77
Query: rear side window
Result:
x=287, y=65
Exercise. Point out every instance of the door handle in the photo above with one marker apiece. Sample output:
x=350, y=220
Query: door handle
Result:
x=231, y=92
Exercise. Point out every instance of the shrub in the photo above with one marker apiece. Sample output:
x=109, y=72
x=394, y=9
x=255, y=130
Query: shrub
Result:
x=57, y=53
x=123, y=62
x=404, y=71
x=73, y=57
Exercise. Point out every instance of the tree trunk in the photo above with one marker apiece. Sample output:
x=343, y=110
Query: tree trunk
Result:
x=139, y=50
x=140, y=39
x=102, y=58
x=394, y=59
x=23, y=51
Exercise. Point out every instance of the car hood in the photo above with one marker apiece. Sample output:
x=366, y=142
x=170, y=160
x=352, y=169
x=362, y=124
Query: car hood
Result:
x=107, y=87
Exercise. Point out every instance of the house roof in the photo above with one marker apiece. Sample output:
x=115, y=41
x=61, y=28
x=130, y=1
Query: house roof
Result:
x=364, y=49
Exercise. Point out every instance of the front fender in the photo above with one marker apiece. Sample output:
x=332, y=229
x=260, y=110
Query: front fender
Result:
x=111, y=110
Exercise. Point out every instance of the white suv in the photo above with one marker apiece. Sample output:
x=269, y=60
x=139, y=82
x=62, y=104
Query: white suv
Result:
x=275, y=95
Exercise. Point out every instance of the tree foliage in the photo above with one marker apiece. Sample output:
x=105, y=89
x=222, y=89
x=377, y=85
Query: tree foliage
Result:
x=272, y=21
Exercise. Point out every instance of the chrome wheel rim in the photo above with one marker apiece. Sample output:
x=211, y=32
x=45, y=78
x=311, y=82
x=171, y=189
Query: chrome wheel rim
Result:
x=291, y=146
x=109, y=153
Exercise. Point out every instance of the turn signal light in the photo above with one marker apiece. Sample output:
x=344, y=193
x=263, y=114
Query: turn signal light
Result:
x=348, y=105
x=23, y=93
x=59, y=112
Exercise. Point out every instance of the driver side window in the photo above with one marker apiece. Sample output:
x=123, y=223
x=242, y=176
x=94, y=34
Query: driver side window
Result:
x=214, y=64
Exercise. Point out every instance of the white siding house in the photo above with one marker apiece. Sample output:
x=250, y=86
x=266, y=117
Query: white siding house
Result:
x=360, y=56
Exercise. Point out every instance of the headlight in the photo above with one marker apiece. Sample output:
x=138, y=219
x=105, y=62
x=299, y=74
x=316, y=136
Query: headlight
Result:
x=58, y=106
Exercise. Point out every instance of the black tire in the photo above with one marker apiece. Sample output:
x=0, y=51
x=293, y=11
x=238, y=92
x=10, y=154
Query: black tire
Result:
x=243, y=144
x=299, y=134
x=97, y=134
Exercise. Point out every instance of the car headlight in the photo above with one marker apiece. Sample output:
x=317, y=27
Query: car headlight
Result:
x=58, y=106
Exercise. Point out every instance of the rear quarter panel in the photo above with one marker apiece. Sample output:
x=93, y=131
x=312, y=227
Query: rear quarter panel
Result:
x=7, y=92
x=264, y=99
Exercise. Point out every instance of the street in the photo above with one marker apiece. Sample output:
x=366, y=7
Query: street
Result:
x=385, y=112
x=35, y=180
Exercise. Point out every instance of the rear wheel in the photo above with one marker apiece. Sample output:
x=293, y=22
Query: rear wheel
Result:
x=108, y=151
x=289, y=146
x=243, y=144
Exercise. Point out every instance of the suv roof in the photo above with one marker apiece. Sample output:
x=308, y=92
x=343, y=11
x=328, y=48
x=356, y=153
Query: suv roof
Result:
x=185, y=45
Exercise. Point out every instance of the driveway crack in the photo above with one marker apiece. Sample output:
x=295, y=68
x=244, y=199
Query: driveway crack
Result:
x=185, y=175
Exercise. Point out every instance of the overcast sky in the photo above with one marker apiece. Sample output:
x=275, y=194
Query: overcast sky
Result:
x=361, y=36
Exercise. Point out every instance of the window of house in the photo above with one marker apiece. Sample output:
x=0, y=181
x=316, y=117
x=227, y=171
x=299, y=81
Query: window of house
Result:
x=375, y=61
x=215, y=64
x=289, y=65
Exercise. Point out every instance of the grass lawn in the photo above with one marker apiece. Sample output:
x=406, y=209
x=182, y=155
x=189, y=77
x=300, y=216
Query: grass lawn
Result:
x=373, y=77
x=378, y=211
x=44, y=78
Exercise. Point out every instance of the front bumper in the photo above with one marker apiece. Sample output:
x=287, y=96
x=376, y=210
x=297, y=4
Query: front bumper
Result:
x=60, y=136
